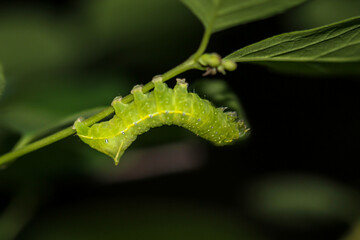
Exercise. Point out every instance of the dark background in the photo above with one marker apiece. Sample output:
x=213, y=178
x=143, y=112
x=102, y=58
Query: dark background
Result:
x=295, y=177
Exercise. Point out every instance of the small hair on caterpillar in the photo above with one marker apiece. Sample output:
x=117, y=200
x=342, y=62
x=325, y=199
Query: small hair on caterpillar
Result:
x=162, y=106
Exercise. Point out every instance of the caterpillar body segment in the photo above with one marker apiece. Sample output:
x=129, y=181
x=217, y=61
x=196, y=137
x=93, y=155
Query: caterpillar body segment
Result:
x=163, y=106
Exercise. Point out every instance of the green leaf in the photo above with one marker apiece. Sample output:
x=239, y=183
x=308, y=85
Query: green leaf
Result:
x=330, y=49
x=218, y=15
x=2, y=81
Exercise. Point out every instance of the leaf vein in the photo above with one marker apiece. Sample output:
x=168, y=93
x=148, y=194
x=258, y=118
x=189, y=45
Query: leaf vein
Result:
x=293, y=40
x=335, y=49
x=232, y=9
x=315, y=43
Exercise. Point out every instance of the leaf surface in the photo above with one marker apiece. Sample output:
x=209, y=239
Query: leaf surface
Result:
x=218, y=15
x=330, y=49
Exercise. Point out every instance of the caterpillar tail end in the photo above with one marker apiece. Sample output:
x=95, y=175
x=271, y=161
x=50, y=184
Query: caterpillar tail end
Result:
x=119, y=153
x=117, y=158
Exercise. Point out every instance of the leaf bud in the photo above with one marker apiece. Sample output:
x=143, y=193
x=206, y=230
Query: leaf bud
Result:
x=229, y=65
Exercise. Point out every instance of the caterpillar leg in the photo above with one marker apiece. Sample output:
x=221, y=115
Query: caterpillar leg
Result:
x=80, y=127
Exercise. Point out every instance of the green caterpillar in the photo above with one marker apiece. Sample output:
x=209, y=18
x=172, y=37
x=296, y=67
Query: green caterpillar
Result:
x=163, y=106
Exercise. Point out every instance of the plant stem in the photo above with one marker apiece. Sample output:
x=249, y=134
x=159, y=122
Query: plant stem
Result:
x=203, y=44
x=189, y=64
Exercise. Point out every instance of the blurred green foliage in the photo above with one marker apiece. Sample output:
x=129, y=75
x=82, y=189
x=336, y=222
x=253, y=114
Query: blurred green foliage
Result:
x=2, y=81
x=316, y=13
x=32, y=41
x=354, y=234
x=59, y=98
x=300, y=200
x=130, y=23
x=147, y=219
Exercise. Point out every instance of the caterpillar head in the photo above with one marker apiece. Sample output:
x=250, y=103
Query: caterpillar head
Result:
x=243, y=129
